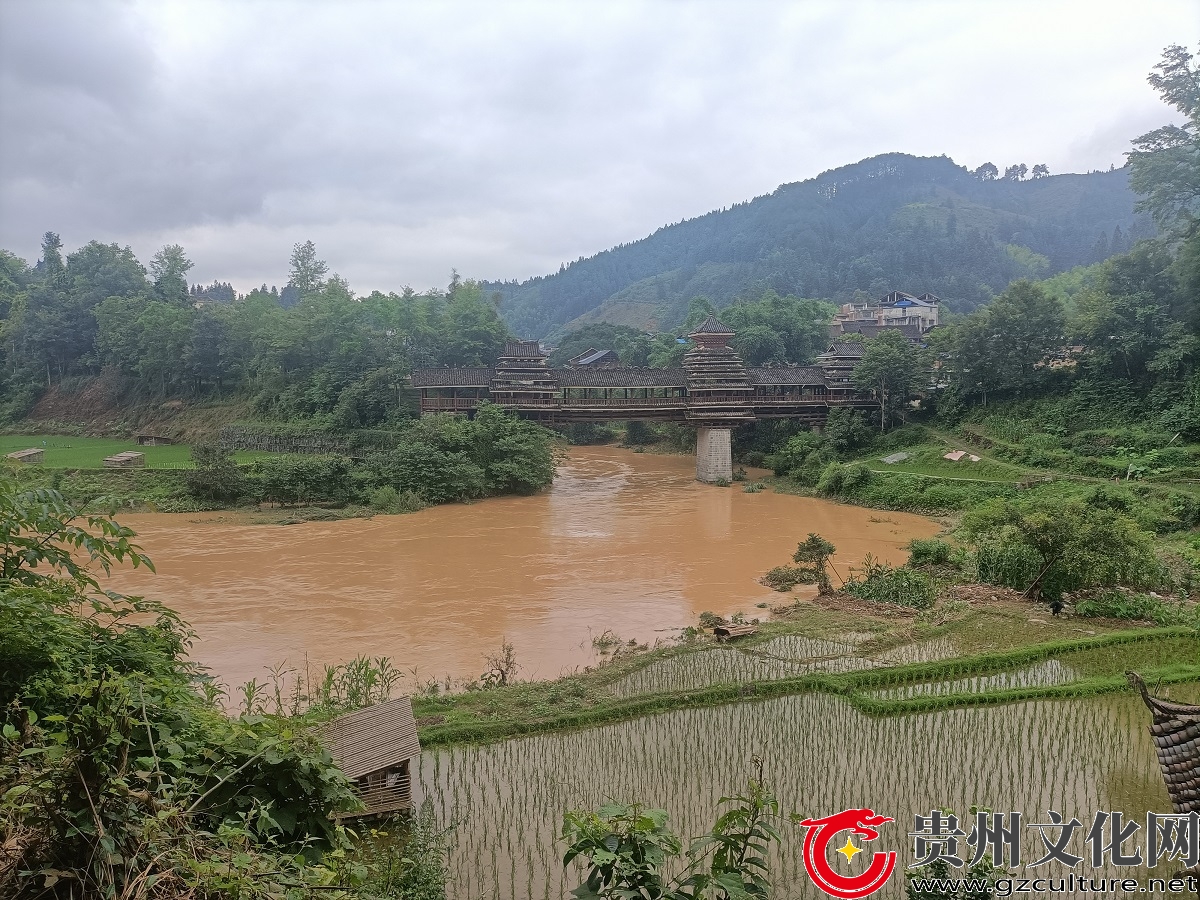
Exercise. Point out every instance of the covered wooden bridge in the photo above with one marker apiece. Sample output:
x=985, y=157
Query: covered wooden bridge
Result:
x=713, y=390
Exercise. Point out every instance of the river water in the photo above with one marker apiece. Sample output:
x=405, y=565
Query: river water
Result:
x=623, y=541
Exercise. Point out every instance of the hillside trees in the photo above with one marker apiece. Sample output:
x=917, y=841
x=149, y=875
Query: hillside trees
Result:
x=331, y=356
x=878, y=225
x=632, y=346
x=1003, y=347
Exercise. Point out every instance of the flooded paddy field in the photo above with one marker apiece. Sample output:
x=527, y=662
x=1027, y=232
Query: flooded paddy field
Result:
x=1076, y=755
x=821, y=756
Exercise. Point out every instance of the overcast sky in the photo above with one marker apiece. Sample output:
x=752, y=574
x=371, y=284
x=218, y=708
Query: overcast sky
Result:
x=503, y=139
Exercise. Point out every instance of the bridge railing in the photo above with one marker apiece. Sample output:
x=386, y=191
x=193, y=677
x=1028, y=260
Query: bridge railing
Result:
x=448, y=404
x=465, y=404
x=577, y=402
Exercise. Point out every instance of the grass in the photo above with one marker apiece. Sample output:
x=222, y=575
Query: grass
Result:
x=928, y=459
x=69, y=452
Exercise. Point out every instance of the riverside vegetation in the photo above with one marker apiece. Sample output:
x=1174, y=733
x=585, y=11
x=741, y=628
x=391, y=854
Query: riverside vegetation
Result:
x=119, y=773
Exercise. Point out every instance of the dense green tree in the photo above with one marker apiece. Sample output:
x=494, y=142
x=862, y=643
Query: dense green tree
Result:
x=472, y=333
x=1165, y=163
x=1131, y=315
x=1004, y=347
x=97, y=271
x=759, y=344
x=890, y=366
x=15, y=276
x=168, y=268
x=774, y=328
x=118, y=337
x=307, y=273
x=164, y=330
x=1047, y=548
x=207, y=357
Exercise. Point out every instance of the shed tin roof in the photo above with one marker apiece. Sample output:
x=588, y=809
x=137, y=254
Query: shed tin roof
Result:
x=377, y=737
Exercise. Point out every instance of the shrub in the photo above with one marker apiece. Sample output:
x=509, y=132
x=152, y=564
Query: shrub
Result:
x=902, y=586
x=795, y=452
x=1138, y=607
x=216, y=477
x=638, y=434
x=929, y=552
x=1046, y=547
x=289, y=480
x=837, y=479
x=784, y=578
x=389, y=500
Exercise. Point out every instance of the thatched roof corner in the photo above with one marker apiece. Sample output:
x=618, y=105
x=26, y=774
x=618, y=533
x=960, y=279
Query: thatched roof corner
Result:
x=372, y=739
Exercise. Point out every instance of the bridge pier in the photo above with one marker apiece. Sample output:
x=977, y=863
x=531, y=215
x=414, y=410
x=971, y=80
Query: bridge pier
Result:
x=714, y=454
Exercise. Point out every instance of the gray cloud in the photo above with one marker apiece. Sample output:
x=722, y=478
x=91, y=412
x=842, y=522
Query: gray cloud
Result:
x=503, y=139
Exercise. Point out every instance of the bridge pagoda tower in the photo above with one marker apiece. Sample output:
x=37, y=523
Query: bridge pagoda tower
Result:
x=522, y=379
x=719, y=398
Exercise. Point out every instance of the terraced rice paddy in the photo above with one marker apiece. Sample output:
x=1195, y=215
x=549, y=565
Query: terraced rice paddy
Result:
x=1042, y=674
x=782, y=657
x=1076, y=756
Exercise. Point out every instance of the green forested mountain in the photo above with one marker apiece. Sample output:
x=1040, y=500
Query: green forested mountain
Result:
x=890, y=222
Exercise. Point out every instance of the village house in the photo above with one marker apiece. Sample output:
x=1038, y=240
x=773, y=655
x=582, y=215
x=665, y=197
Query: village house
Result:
x=914, y=316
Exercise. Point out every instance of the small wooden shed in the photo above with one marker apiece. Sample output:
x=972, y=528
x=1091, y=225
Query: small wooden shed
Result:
x=153, y=440
x=729, y=632
x=130, y=459
x=1175, y=733
x=31, y=456
x=374, y=747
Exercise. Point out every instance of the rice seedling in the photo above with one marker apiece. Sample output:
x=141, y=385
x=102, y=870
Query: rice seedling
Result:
x=1041, y=674
x=1076, y=756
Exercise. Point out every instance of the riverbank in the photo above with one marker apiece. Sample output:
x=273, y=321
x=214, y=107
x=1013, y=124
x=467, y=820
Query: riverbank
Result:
x=879, y=660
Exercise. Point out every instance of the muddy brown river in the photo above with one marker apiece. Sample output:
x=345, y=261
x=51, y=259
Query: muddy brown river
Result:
x=624, y=542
